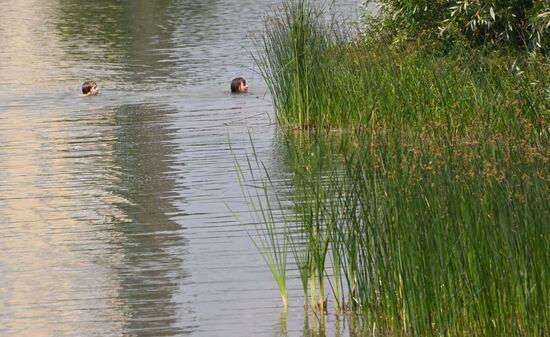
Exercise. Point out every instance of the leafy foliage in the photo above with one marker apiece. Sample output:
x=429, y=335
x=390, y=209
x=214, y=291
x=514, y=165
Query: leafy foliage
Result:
x=494, y=23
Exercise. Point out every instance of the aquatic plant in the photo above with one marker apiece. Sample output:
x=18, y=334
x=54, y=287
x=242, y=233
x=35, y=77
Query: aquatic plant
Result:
x=438, y=234
x=437, y=231
x=321, y=79
x=309, y=205
x=271, y=225
x=434, y=206
x=290, y=47
x=299, y=247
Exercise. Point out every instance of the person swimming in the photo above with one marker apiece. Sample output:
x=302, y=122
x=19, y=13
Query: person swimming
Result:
x=89, y=88
x=239, y=86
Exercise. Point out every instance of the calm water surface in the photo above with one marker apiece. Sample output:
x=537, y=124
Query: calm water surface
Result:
x=121, y=214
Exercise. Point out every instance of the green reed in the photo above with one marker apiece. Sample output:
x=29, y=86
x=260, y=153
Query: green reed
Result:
x=309, y=202
x=457, y=236
x=436, y=235
x=320, y=78
x=298, y=240
x=271, y=237
x=294, y=38
x=433, y=201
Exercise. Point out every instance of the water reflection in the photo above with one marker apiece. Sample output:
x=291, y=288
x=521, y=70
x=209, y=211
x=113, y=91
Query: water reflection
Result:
x=123, y=41
x=142, y=42
x=152, y=244
x=312, y=327
x=29, y=52
x=88, y=245
x=95, y=191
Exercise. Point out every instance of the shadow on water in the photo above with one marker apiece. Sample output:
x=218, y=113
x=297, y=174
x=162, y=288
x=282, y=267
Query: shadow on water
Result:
x=151, y=242
x=95, y=191
x=88, y=243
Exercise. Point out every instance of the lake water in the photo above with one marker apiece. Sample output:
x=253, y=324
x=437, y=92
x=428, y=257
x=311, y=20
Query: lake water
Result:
x=122, y=214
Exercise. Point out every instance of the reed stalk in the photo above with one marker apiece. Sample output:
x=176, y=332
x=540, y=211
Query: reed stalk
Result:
x=436, y=234
x=320, y=79
x=436, y=201
x=271, y=238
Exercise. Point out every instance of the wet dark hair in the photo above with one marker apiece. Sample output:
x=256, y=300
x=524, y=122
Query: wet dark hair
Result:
x=87, y=86
x=236, y=83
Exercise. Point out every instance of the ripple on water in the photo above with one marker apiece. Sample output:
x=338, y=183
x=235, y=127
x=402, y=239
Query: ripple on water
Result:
x=122, y=214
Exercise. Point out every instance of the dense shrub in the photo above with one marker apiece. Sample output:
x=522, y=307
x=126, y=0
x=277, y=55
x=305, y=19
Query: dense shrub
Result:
x=493, y=23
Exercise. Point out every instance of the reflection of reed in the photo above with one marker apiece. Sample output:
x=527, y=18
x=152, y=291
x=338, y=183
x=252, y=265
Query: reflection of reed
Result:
x=283, y=332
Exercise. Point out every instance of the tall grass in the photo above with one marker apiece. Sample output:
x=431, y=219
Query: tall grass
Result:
x=319, y=78
x=294, y=38
x=453, y=237
x=435, y=236
x=433, y=204
x=271, y=237
x=313, y=229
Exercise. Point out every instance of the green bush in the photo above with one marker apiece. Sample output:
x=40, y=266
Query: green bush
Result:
x=493, y=23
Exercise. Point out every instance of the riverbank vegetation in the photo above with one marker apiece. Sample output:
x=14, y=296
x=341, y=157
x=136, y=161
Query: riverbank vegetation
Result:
x=420, y=153
x=433, y=236
x=451, y=24
x=320, y=79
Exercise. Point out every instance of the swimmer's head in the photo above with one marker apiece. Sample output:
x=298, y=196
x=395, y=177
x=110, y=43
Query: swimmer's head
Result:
x=89, y=88
x=238, y=85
